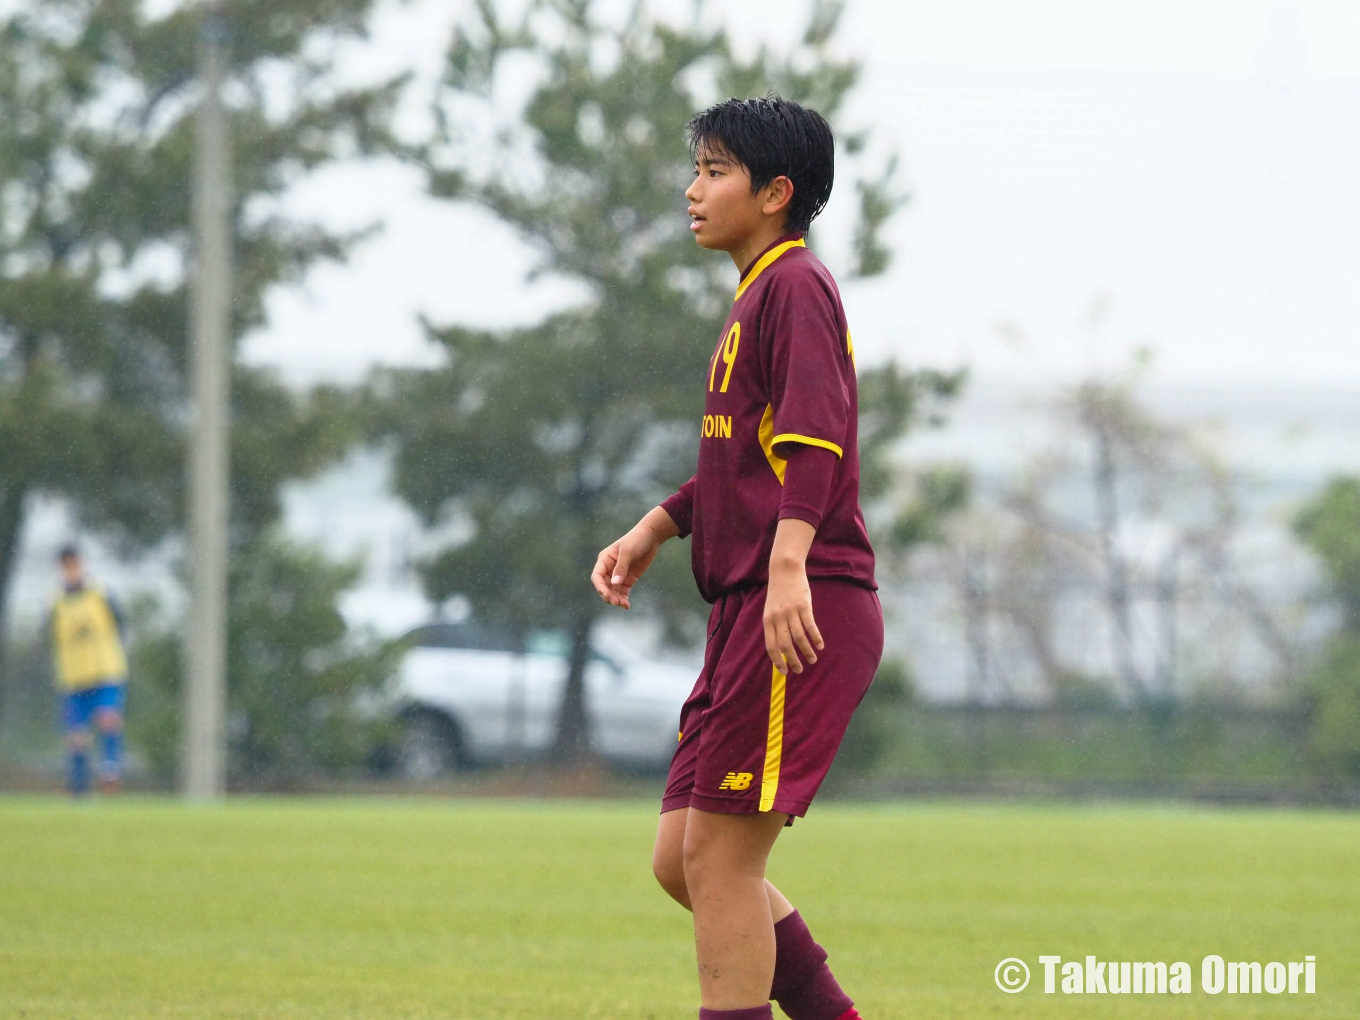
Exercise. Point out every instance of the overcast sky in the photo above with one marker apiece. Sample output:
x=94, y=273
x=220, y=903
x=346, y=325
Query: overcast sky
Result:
x=1192, y=167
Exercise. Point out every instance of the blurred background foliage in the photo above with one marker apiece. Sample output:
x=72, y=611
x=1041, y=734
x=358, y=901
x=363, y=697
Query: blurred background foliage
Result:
x=97, y=105
x=293, y=666
x=1330, y=526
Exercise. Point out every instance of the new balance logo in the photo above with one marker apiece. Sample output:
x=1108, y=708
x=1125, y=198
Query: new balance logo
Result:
x=736, y=781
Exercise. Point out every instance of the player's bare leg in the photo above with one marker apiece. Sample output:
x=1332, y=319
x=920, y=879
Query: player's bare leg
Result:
x=669, y=867
x=724, y=862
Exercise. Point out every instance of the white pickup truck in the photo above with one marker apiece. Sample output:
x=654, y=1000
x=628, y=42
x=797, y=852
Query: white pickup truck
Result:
x=466, y=695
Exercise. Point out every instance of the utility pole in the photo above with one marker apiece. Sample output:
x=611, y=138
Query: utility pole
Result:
x=204, y=753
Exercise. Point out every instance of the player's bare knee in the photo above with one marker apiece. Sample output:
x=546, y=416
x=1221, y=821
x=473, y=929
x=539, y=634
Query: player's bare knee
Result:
x=78, y=740
x=668, y=864
x=721, y=856
x=696, y=864
x=667, y=855
x=109, y=721
x=670, y=874
x=665, y=867
x=705, y=860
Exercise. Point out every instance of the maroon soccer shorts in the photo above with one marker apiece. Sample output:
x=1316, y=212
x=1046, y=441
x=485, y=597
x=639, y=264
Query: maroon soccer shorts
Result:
x=752, y=739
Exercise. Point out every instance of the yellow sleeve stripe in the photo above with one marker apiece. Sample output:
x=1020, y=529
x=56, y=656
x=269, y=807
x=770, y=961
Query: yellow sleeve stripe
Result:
x=793, y=437
x=765, y=262
x=766, y=436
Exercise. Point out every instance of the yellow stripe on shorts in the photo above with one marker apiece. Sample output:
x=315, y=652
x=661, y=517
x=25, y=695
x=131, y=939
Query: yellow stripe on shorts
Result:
x=774, y=741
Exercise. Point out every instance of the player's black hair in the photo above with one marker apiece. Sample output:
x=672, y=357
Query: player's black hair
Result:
x=773, y=137
x=69, y=551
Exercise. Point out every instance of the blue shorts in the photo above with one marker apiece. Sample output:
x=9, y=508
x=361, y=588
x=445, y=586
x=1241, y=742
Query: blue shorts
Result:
x=79, y=706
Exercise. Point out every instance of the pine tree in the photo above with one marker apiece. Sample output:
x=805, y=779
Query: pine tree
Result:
x=97, y=106
x=551, y=440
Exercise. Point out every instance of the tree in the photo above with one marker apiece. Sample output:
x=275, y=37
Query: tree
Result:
x=1136, y=468
x=1108, y=534
x=1158, y=523
x=1329, y=524
x=293, y=667
x=97, y=101
x=551, y=440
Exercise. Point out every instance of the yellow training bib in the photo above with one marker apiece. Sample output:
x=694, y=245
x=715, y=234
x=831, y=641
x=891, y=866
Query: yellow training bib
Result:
x=85, y=642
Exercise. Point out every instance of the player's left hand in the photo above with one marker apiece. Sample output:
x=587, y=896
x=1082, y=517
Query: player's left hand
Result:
x=788, y=620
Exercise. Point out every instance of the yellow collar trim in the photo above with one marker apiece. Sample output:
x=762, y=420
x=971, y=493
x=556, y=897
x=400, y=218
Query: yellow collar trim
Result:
x=764, y=264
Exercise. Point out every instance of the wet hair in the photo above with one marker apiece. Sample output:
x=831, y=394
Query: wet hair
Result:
x=773, y=137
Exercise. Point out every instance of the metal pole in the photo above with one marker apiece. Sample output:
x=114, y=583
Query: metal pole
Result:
x=204, y=757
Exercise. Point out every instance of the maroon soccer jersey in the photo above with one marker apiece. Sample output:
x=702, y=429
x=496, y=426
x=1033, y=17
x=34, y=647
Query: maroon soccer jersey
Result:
x=783, y=372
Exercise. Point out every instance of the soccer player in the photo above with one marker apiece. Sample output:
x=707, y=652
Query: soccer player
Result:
x=773, y=510
x=91, y=671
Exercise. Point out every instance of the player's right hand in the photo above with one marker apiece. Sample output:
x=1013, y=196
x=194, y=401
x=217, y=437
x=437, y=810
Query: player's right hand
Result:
x=619, y=565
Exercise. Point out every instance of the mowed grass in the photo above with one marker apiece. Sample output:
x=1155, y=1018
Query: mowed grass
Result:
x=415, y=908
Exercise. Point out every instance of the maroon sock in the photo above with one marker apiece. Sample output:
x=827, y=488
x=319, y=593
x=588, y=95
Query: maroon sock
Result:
x=754, y=1013
x=803, y=985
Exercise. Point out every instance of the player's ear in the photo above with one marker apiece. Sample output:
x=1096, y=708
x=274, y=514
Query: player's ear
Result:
x=778, y=195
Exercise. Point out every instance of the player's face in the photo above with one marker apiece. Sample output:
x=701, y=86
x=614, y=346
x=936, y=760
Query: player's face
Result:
x=723, y=212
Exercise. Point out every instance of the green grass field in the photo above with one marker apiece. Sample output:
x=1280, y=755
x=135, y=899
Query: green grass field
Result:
x=414, y=908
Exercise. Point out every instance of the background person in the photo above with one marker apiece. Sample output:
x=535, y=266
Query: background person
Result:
x=90, y=668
